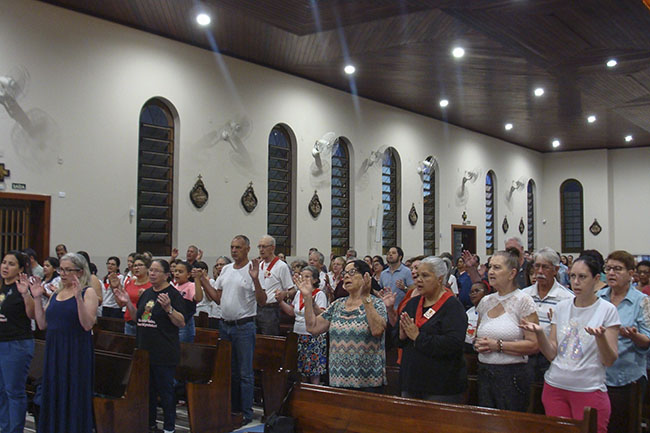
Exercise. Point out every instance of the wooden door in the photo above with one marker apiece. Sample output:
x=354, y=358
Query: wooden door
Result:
x=462, y=238
x=25, y=222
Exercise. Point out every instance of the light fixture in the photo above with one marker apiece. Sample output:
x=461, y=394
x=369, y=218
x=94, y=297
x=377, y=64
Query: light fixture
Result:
x=611, y=63
x=556, y=143
x=508, y=126
x=349, y=69
x=444, y=103
x=458, y=52
x=591, y=118
x=628, y=138
x=539, y=91
x=203, y=19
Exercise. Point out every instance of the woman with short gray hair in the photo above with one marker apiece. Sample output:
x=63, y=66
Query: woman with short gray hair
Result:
x=432, y=330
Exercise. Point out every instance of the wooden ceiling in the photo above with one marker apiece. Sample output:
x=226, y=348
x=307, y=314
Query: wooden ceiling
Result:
x=402, y=52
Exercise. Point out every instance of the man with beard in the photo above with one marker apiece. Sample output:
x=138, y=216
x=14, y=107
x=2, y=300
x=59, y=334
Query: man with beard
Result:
x=546, y=293
x=397, y=276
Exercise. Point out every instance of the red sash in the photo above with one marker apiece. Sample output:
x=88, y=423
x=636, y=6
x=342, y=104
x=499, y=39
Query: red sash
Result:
x=421, y=318
x=267, y=273
x=302, y=301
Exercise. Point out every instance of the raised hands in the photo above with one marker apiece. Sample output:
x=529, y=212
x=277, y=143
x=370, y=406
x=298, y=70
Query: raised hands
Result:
x=303, y=284
x=121, y=296
x=199, y=256
x=22, y=283
x=254, y=269
x=388, y=297
x=408, y=326
x=469, y=259
x=596, y=332
x=174, y=255
x=76, y=287
x=628, y=331
x=113, y=280
x=165, y=302
x=530, y=326
x=196, y=273
x=36, y=287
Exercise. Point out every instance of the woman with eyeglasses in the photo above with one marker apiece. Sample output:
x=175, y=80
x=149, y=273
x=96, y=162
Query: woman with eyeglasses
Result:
x=110, y=307
x=634, y=335
x=16, y=340
x=134, y=287
x=68, y=376
x=356, y=325
x=580, y=345
x=160, y=315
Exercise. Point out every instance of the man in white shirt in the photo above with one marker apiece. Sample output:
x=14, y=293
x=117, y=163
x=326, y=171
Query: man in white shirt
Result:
x=274, y=276
x=317, y=260
x=238, y=291
x=546, y=293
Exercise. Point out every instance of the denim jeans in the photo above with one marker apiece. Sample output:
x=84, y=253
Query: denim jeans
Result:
x=186, y=333
x=242, y=339
x=15, y=357
x=130, y=329
x=161, y=384
x=504, y=386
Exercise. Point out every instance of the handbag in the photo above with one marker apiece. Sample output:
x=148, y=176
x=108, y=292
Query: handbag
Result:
x=279, y=424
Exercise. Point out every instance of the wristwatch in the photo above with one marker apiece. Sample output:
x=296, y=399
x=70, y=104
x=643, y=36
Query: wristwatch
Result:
x=171, y=310
x=367, y=300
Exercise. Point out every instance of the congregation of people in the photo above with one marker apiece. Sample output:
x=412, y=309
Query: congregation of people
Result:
x=577, y=326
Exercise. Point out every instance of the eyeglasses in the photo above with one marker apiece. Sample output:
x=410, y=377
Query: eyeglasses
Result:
x=65, y=271
x=616, y=269
x=263, y=246
x=643, y=272
x=352, y=272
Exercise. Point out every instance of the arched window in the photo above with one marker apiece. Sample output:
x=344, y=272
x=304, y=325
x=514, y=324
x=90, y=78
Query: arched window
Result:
x=389, y=194
x=429, y=192
x=279, y=189
x=571, y=211
x=490, y=212
x=155, y=179
x=340, y=197
x=531, y=215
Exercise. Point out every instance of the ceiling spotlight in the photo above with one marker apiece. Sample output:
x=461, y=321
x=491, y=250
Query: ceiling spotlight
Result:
x=556, y=143
x=611, y=63
x=508, y=126
x=458, y=52
x=203, y=19
x=444, y=103
x=349, y=69
x=539, y=91
x=591, y=118
x=628, y=138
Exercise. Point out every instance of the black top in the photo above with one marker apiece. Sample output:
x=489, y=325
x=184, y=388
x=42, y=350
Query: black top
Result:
x=14, y=323
x=156, y=332
x=434, y=363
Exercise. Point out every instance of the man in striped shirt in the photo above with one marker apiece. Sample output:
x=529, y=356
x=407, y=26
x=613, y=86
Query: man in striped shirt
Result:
x=546, y=293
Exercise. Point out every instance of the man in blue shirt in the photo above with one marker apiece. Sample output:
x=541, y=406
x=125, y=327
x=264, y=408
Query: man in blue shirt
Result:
x=397, y=276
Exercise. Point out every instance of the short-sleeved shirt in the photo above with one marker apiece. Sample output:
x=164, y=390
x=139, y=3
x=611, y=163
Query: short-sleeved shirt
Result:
x=156, y=333
x=238, y=292
x=277, y=278
x=357, y=359
x=299, y=326
x=208, y=305
x=133, y=290
x=187, y=291
x=389, y=279
x=517, y=305
x=14, y=323
x=577, y=365
x=633, y=310
x=557, y=294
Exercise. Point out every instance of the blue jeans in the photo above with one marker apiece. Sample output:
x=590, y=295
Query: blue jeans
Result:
x=130, y=329
x=15, y=357
x=242, y=339
x=161, y=384
x=186, y=333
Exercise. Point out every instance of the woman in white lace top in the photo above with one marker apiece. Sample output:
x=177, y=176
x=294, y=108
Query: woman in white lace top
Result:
x=503, y=377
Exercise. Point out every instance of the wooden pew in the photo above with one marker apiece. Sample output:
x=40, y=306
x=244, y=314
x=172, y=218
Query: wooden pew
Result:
x=110, y=324
x=113, y=342
x=34, y=377
x=318, y=408
x=121, y=401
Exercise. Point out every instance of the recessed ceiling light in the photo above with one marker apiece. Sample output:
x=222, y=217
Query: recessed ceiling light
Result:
x=539, y=91
x=556, y=143
x=591, y=118
x=508, y=126
x=350, y=69
x=458, y=52
x=611, y=63
x=444, y=103
x=629, y=138
x=203, y=19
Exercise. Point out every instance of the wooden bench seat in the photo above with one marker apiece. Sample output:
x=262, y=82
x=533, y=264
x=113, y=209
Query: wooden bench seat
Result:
x=109, y=324
x=318, y=409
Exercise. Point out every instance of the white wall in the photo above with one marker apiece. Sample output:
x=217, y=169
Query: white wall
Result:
x=92, y=77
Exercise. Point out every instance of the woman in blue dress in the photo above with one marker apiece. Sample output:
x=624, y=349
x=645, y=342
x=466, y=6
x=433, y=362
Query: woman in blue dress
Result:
x=69, y=359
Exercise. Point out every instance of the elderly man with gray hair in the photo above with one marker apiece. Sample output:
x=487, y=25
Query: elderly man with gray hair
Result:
x=546, y=293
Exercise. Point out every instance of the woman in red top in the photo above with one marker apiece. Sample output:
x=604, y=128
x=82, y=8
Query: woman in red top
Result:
x=134, y=286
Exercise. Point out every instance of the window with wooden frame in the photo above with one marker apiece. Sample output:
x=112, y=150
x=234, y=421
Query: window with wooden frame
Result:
x=389, y=194
x=279, y=189
x=340, y=227
x=155, y=179
x=571, y=212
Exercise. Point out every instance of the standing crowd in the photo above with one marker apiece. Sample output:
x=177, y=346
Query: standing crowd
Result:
x=580, y=327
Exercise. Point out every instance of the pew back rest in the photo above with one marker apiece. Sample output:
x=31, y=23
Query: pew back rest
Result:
x=276, y=353
x=112, y=371
x=113, y=341
x=110, y=324
x=317, y=408
x=197, y=363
